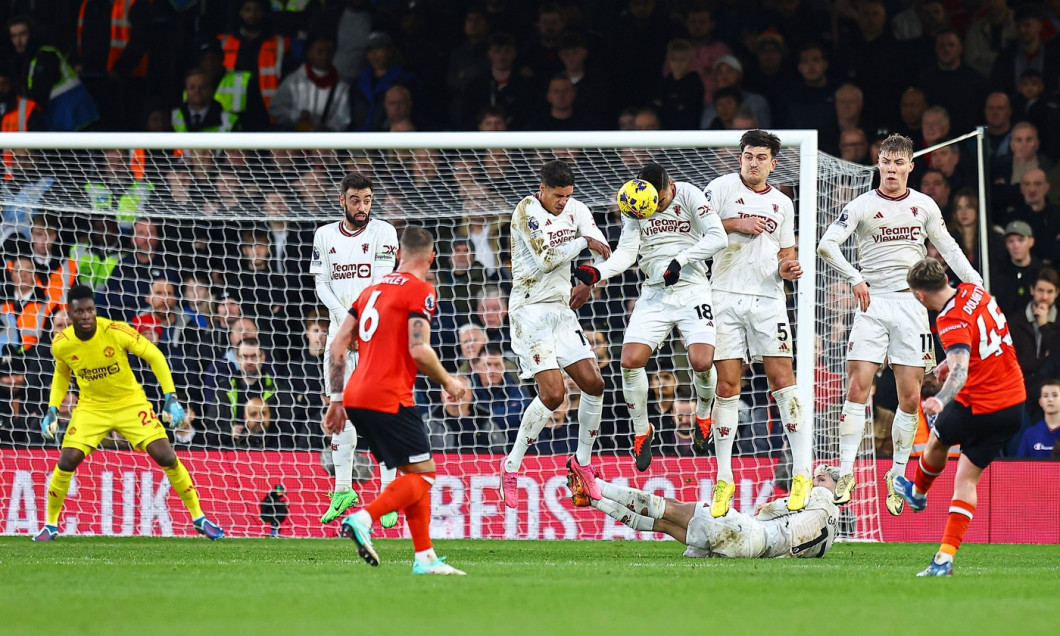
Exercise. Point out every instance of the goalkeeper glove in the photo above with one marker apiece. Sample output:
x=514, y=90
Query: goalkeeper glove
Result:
x=672, y=273
x=172, y=411
x=49, y=426
x=587, y=274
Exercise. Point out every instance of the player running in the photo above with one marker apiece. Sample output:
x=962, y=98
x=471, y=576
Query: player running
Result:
x=549, y=230
x=889, y=225
x=673, y=245
x=392, y=323
x=97, y=351
x=751, y=310
x=348, y=256
x=980, y=404
x=774, y=531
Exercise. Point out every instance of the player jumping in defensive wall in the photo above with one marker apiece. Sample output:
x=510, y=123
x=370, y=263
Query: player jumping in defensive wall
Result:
x=673, y=244
x=97, y=351
x=889, y=225
x=549, y=230
x=751, y=310
x=774, y=531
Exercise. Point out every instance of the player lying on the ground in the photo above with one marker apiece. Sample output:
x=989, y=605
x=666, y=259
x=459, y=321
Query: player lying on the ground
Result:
x=97, y=351
x=980, y=404
x=773, y=531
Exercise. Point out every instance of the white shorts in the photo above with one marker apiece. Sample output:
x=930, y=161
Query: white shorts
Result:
x=749, y=323
x=659, y=310
x=351, y=364
x=547, y=336
x=895, y=327
x=734, y=536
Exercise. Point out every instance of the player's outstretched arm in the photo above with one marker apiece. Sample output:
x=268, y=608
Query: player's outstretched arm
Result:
x=714, y=240
x=828, y=249
x=958, y=358
x=621, y=259
x=427, y=360
x=154, y=357
x=60, y=385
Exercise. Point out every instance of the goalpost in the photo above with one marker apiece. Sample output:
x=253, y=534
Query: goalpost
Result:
x=211, y=198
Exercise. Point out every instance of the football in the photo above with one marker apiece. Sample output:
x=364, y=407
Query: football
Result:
x=637, y=199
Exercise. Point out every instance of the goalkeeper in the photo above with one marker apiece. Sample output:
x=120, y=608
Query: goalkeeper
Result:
x=772, y=532
x=96, y=351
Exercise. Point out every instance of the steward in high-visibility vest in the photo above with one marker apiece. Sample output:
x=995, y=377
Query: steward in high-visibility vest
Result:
x=118, y=189
x=126, y=53
x=21, y=115
x=199, y=112
x=255, y=49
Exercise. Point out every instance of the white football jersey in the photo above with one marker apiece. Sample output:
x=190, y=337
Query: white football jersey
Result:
x=805, y=533
x=890, y=234
x=351, y=261
x=674, y=233
x=749, y=264
x=543, y=246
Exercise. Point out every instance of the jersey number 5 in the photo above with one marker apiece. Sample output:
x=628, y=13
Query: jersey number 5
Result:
x=369, y=318
x=990, y=339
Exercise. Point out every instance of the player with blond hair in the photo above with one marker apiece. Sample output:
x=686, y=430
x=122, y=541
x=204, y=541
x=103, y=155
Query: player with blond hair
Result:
x=890, y=225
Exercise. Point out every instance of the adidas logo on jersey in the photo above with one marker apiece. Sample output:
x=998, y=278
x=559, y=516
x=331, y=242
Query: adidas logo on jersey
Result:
x=740, y=201
x=548, y=222
x=74, y=358
x=879, y=215
x=333, y=251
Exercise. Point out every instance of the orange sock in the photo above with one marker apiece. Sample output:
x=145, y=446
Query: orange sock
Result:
x=960, y=516
x=400, y=494
x=418, y=516
x=925, y=475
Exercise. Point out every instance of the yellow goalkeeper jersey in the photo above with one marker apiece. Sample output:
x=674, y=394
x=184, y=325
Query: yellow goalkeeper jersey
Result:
x=101, y=365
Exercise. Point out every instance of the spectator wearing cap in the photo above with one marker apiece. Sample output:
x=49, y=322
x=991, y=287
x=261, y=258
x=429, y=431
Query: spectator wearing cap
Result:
x=254, y=48
x=313, y=98
x=1027, y=50
x=771, y=73
x=200, y=112
x=1042, y=217
x=383, y=72
x=1015, y=272
x=728, y=71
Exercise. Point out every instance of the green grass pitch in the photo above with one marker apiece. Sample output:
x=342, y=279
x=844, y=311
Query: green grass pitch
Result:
x=188, y=586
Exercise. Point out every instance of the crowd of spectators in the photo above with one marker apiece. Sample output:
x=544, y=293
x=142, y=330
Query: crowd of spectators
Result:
x=854, y=70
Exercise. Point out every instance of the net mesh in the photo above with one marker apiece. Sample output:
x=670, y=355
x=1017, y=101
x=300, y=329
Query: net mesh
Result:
x=200, y=249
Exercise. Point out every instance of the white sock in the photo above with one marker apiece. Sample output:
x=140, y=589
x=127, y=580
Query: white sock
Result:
x=534, y=419
x=589, y=413
x=705, y=384
x=342, y=445
x=942, y=557
x=364, y=517
x=798, y=431
x=386, y=475
x=623, y=514
x=726, y=421
x=851, y=430
x=903, y=432
x=426, y=556
x=644, y=503
x=635, y=392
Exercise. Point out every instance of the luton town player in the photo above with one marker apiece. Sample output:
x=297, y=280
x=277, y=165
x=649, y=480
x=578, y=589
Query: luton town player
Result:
x=348, y=256
x=391, y=321
x=673, y=244
x=980, y=404
x=97, y=351
x=889, y=225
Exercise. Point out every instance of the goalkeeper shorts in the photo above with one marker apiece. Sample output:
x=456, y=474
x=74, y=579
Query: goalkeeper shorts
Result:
x=135, y=422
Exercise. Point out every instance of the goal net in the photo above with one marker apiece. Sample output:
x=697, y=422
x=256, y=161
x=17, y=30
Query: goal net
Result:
x=202, y=241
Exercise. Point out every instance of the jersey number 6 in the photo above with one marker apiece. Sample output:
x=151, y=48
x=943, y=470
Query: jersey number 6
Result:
x=369, y=318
